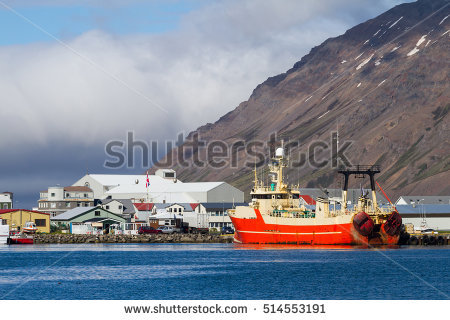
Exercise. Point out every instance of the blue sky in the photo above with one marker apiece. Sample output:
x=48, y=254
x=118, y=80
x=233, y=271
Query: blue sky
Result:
x=68, y=21
x=157, y=68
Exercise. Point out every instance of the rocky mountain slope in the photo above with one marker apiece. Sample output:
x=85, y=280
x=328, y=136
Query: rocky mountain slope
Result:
x=384, y=85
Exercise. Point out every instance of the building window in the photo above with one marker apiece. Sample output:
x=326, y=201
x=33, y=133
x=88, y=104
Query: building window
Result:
x=107, y=207
x=67, y=204
x=86, y=204
x=40, y=222
x=78, y=204
x=85, y=195
x=169, y=174
x=4, y=222
x=120, y=207
x=97, y=213
x=67, y=195
x=52, y=194
x=52, y=205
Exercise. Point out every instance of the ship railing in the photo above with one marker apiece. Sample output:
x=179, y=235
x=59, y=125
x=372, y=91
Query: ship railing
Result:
x=292, y=214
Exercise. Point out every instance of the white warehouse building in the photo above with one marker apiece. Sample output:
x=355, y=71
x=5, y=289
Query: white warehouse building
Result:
x=164, y=188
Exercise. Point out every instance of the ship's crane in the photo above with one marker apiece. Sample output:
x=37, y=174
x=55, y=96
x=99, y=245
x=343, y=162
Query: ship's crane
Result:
x=361, y=171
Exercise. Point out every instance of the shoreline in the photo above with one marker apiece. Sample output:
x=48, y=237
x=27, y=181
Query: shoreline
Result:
x=121, y=238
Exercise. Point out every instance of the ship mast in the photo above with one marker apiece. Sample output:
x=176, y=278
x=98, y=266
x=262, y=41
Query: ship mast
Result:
x=276, y=168
x=256, y=178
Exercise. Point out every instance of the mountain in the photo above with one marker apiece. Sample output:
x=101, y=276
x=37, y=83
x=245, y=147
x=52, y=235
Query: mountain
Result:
x=384, y=85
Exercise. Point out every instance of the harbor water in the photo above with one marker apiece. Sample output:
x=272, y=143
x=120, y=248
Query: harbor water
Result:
x=222, y=271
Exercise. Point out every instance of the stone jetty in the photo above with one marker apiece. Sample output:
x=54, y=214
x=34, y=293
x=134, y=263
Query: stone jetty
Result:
x=120, y=238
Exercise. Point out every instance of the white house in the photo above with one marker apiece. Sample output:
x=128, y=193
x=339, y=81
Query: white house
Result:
x=6, y=200
x=216, y=213
x=118, y=206
x=56, y=200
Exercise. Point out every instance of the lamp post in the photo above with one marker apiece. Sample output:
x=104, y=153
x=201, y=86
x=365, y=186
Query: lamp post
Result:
x=423, y=224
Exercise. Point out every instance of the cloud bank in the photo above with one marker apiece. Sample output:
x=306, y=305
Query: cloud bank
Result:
x=55, y=98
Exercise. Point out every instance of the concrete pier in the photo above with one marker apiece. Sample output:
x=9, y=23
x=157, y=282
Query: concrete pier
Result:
x=419, y=239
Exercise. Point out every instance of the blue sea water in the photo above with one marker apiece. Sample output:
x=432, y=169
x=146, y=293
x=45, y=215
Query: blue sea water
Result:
x=221, y=271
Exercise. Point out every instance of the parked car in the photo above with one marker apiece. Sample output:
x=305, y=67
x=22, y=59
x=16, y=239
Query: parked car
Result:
x=227, y=230
x=168, y=229
x=147, y=229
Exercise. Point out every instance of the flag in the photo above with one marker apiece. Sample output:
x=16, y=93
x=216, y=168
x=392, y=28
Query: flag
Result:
x=147, y=184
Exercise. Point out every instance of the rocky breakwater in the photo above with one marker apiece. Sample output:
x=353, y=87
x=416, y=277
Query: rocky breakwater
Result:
x=120, y=238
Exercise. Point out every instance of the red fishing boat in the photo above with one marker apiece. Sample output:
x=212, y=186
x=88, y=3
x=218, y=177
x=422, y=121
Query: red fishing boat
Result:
x=20, y=238
x=276, y=215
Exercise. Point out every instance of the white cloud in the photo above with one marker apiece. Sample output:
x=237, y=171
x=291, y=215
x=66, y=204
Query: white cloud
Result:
x=197, y=73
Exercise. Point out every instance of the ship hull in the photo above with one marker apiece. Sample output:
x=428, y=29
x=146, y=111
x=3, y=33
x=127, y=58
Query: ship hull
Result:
x=258, y=231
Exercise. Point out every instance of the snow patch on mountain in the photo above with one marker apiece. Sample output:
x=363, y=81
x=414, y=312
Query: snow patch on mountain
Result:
x=413, y=51
x=362, y=64
x=421, y=40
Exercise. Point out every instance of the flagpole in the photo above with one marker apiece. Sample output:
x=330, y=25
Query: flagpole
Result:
x=147, y=185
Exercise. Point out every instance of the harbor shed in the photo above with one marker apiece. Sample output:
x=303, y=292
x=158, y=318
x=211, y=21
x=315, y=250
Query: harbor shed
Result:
x=427, y=216
x=16, y=219
x=419, y=200
x=96, y=217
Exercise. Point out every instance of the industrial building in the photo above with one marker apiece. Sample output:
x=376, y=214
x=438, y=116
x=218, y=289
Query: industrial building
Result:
x=163, y=187
x=419, y=200
x=426, y=216
x=16, y=219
